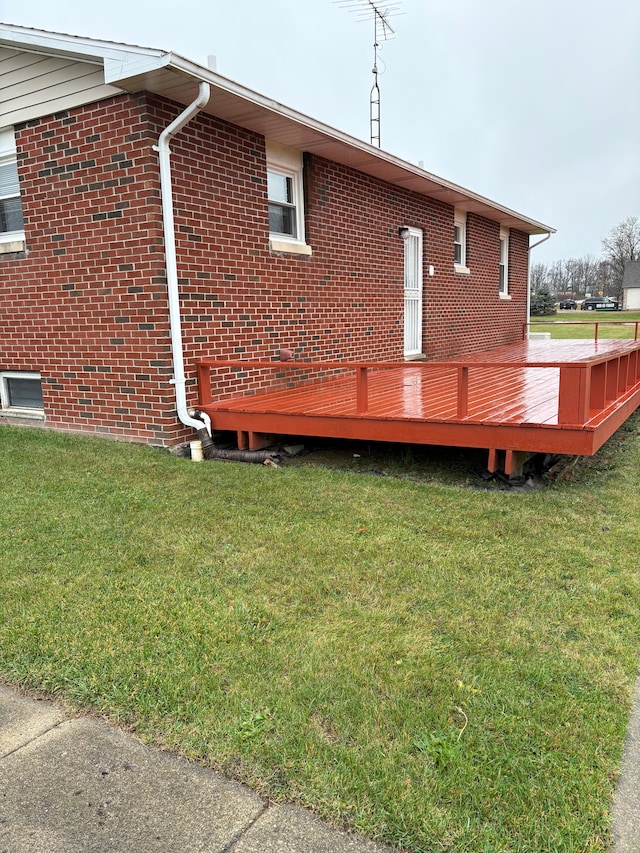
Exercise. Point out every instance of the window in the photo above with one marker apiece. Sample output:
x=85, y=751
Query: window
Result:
x=504, y=262
x=283, y=219
x=11, y=224
x=21, y=392
x=460, y=242
x=285, y=199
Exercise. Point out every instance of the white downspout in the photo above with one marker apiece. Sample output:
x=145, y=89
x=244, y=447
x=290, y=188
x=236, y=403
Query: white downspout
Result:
x=166, y=190
x=528, y=321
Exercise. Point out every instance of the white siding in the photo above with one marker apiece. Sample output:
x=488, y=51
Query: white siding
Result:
x=34, y=85
x=631, y=298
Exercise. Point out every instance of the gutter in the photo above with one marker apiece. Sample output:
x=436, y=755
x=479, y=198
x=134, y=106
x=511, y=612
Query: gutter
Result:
x=528, y=321
x=166, y=189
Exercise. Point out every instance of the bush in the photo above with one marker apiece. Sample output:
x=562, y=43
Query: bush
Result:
x=543, y=302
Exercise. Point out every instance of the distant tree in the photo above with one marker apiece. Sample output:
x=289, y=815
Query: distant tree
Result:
x=559, y=277
x=584, y=275
x=538, y=276
x=603, y=284
x=622, y=245
x=543, y=302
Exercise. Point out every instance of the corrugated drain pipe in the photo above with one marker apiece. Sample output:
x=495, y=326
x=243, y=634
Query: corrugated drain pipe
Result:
x=210, y=451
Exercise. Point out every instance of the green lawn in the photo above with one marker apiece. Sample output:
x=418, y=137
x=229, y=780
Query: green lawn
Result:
x=570, y=324
x=434, y=665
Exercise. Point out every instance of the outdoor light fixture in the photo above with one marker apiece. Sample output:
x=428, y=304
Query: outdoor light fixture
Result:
x=403, y=232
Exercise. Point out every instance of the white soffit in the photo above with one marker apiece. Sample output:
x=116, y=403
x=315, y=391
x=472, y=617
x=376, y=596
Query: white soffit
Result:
x=178, y=80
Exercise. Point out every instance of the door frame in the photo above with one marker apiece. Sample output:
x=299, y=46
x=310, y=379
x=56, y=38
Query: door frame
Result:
x=413, y=291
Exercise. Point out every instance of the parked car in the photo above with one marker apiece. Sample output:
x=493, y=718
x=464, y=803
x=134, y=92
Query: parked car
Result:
x=568, y=304
x=600, y=303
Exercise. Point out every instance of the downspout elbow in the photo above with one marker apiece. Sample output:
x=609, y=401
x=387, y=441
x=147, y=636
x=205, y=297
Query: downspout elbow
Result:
x=204, y=93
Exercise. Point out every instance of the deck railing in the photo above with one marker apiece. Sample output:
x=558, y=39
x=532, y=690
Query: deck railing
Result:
x=586, y=387
x=530, y=327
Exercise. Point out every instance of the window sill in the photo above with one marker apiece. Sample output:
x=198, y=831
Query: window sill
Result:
x=460, y=270
x=291, y=246
x=23, y=414
x=506, y=296
x=13, y=246
x=418, y=356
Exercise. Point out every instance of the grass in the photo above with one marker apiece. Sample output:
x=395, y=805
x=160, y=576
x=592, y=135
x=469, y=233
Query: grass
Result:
x=609, y=324
x=436, y=666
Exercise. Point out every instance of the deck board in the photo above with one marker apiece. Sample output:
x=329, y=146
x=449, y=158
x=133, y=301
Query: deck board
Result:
x=512, y=400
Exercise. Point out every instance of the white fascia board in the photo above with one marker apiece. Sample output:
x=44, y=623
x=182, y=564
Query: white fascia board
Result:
x=75, y=47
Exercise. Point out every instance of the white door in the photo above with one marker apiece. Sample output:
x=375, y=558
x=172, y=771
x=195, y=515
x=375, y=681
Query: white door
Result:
x=413, y=292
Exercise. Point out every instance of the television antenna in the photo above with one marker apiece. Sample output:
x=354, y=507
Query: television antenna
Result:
x=379, y=11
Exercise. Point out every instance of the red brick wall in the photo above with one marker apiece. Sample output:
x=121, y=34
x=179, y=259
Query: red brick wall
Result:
x=464, y=312
x=87, y=306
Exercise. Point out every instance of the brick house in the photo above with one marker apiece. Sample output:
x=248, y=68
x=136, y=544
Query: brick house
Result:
x=121, y=265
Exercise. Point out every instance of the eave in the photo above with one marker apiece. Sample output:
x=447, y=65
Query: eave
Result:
x=133, y=69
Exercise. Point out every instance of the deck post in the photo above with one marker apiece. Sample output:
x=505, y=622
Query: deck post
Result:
x=598, y=390
x=463, y=392
x=574, y=395
x=613, y=369
x=624, y=370
x=204, y=384
x=514, y=461
x=496, y=460
x=260, y=440
x=362, y=389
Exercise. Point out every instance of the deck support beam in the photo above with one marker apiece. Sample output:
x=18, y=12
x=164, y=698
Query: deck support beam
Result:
x=510, y=462
x=248, y=440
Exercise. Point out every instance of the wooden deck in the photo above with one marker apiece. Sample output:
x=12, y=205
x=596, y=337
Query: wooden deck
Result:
x=560, y=397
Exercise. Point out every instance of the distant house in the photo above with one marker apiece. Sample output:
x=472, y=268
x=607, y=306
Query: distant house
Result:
x=631, y=286
x=130, y=246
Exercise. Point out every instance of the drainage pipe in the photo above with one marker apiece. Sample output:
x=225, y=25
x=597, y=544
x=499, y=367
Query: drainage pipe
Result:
x=164, y=153
x=528, y=320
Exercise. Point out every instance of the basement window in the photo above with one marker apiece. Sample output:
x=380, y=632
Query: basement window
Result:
x=11, y=222
x=21, y=394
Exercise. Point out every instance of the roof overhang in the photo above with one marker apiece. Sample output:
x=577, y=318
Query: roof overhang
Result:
x=133, y=69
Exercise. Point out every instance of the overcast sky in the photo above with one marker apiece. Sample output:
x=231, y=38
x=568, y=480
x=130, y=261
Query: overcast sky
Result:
x=535, y=106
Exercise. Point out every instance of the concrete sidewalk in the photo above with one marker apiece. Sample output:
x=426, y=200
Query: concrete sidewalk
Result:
x=78, y=785
x=626, y=803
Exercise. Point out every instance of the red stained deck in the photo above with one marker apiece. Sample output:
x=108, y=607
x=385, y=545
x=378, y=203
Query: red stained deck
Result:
x=560, y=396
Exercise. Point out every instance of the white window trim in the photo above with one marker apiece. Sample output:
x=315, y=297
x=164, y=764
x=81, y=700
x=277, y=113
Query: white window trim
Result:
x=503, y=287
x=286, y=161
x=7, y=410
x=10, y=241
x=460, y=221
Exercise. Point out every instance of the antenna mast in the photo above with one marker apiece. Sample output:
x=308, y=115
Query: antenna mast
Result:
x=380, y=11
